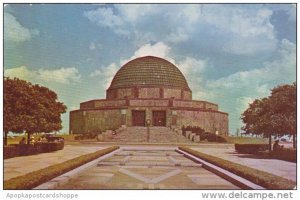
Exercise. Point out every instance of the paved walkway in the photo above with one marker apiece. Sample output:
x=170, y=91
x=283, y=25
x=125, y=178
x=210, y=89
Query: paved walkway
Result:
x=22, y=165
x=116, y=169
x=147, y=168
x=277, y=167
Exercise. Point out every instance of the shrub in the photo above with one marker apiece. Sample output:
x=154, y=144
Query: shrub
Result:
x=285, y=154
x=10, y=151
x=78, y=137
x=258, y=177
x=215, y=138
x=14, y=150
x=250, y=148
x=50, y=146
x=33, y=179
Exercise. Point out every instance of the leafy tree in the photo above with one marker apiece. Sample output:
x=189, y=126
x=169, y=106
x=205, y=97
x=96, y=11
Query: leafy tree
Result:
x=274, y=115
x=256, y=119
x=284, y=106
x=30, y=108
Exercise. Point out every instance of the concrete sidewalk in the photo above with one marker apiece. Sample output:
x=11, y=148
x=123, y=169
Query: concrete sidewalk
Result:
x=24, y=164
x=277, y=167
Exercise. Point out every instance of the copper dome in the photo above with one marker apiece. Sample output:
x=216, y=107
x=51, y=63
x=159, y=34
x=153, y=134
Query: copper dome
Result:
x=149, y=70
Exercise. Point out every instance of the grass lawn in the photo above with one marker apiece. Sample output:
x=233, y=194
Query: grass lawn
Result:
x=247, y=140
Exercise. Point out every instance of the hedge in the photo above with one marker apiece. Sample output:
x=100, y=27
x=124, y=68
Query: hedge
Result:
x=250, y=148
x=33, y=179
x=258, y=177
x=10, y=151
x=215, y=138
x=85, y=136
x=14, y=150
x=285, y=154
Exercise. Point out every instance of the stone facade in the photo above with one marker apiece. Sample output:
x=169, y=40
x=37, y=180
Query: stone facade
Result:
x=165, y=99
x=145, y=92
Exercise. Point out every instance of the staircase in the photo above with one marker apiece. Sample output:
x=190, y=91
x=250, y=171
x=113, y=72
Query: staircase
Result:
x=139, y=135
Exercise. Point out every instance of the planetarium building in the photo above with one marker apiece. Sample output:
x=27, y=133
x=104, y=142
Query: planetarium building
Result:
x=148, y=89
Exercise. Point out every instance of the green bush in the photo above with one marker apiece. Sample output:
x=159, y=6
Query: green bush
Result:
x=250, y=148
x=215, y=138
x=285, y=154
x=14, y=150
x=78, y=137
x=50, y=146
x=258, y=177
x=33, y=179
x=10, y=151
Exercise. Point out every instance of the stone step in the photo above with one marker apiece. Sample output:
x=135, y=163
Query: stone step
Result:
x=139, y=134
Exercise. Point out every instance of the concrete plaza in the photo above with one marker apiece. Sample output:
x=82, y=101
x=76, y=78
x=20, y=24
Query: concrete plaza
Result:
x=148, y=169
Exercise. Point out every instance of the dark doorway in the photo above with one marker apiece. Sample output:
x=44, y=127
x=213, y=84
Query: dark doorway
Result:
x=138, y=118
x=159, y=118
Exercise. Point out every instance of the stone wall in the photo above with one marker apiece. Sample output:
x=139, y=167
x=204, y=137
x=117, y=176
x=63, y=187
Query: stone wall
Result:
x=172, y=93
x=189, y=104
x=149, y=93
x=187, y=95
x=76, y=122
x=211, y=106
x=110, y=103
x=145, y=102
x=88, y=104
x=82, y=122
x=209, y=121
x=125, y=92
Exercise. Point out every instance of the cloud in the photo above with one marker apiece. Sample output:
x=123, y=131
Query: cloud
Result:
x=106, y=17
x=240, y=30
x=92, y=46
x=235, y=91
x=135, y=12
x=105, y=74
x=247, y=31
x=15, y=32
x=159, y=49
x=43, y=76
x=193, y=70
x=178, y=36
x=190, y=67
x=281, y=69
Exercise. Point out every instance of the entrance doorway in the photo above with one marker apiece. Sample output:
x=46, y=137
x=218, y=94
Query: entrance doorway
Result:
x=138, y=118
x=159, y=118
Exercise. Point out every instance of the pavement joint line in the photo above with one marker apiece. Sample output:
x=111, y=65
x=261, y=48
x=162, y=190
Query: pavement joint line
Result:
x=145, y=167
x=172, y=160
x=165, y=176
x=149, y=180
x=231, y=177
x=73, y=173
x=134, y=175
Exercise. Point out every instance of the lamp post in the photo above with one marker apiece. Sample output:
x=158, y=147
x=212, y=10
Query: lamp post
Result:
x=148, y=123
x=217, y=133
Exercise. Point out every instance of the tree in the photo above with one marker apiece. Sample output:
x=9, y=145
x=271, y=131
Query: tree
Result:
x=284, y=105
x=274, y=115
x=30, y=108
x=257, y=119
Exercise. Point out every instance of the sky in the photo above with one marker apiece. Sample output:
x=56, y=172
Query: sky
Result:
x=230, y=54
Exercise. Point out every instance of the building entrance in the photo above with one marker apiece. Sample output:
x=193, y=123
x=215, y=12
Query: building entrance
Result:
x=138, y=118
x=159, y=118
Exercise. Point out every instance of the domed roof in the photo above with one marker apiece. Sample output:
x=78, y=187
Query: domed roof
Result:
x=149, y=70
